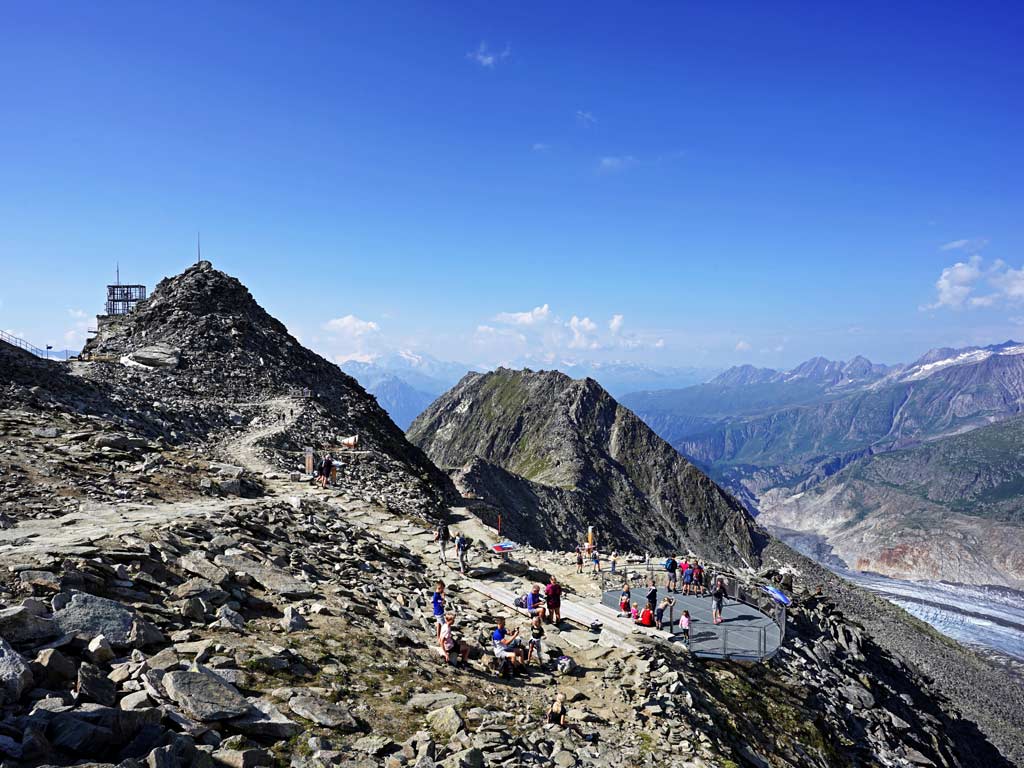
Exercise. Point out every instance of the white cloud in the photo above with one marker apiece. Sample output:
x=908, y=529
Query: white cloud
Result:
x=659, y=344
x=967, y=244
x=584, y=118
x=616, y=163
x=959, y=285
x=351, y=326
x=615, y=324
x=535, y=316
x=956, y=283
x=351, y=338
x=743, y=346
x=487, y=58
x=582, y=329
x=76, y=335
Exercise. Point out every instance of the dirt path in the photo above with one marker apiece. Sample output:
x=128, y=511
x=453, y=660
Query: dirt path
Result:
x=244, y=449
x=75, y=532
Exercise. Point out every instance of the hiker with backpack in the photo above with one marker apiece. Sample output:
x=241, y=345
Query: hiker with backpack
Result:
x=442, y=536
x=670, y=569
x=579, y=560
x=461, y=550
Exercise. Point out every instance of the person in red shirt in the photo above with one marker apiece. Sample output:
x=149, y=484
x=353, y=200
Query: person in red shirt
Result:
x=554, y=600
x=646, y=617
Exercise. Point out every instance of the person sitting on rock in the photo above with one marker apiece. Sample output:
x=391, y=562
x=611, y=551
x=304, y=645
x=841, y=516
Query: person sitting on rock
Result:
x=507, y=645
x=634, y=612
x=557, y=715
x=535, y=602
x=450, y=643
x=646, y=617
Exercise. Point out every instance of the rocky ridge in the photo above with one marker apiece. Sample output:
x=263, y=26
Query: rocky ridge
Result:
x=566, y=455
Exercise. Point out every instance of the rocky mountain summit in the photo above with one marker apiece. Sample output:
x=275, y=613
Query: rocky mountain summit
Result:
x=202, y=338
x=564, y=455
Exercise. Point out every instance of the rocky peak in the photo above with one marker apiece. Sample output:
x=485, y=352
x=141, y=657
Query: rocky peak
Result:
x=562, y=454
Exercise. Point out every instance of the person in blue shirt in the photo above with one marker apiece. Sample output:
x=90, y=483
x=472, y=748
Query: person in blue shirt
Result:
x=439, y=606
x=535, y=602
x=507, y=645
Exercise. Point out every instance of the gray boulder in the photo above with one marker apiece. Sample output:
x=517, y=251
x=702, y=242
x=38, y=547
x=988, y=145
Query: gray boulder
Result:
x=20, y=625
x=15, y=675
x=323, y=713
x=204, y=696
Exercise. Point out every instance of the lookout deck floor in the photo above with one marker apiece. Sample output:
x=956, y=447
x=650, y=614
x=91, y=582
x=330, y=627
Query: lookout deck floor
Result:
x=745, y=633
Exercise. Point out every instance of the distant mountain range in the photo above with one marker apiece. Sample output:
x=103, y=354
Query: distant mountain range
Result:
x=770, y=435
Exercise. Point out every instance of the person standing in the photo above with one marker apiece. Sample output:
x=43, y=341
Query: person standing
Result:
x=442, y=536
x=438, y=601
x=698, y=580
x=652, y=594
x=670, y=568
x=462, y=550
x=450, y=643
x=579, y=560
x=684, y=624
x=536, y=636
x=718, y=601
x=554, y=595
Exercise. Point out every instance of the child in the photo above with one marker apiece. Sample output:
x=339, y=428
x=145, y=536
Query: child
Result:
x=684, y=624
x=624, y=600
x=536, y=635
x=635, y=613
x=439, y=606
x=660, y=613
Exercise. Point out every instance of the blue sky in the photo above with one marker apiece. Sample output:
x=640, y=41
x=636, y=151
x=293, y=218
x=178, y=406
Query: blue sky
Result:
x=676, y=183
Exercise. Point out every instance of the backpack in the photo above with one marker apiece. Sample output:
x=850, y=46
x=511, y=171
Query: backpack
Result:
x=565, y=665
x=443, y=533
x=520, y=602
x=670, y=565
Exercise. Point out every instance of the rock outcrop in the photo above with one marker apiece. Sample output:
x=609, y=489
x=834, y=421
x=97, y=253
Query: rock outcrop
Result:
x=564, y=455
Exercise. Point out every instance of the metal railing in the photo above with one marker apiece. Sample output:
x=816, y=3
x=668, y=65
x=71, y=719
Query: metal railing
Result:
x=14, y=341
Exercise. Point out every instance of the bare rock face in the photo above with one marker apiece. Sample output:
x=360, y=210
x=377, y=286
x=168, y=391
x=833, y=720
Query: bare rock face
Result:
x=157, y=356
x=556, y=455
